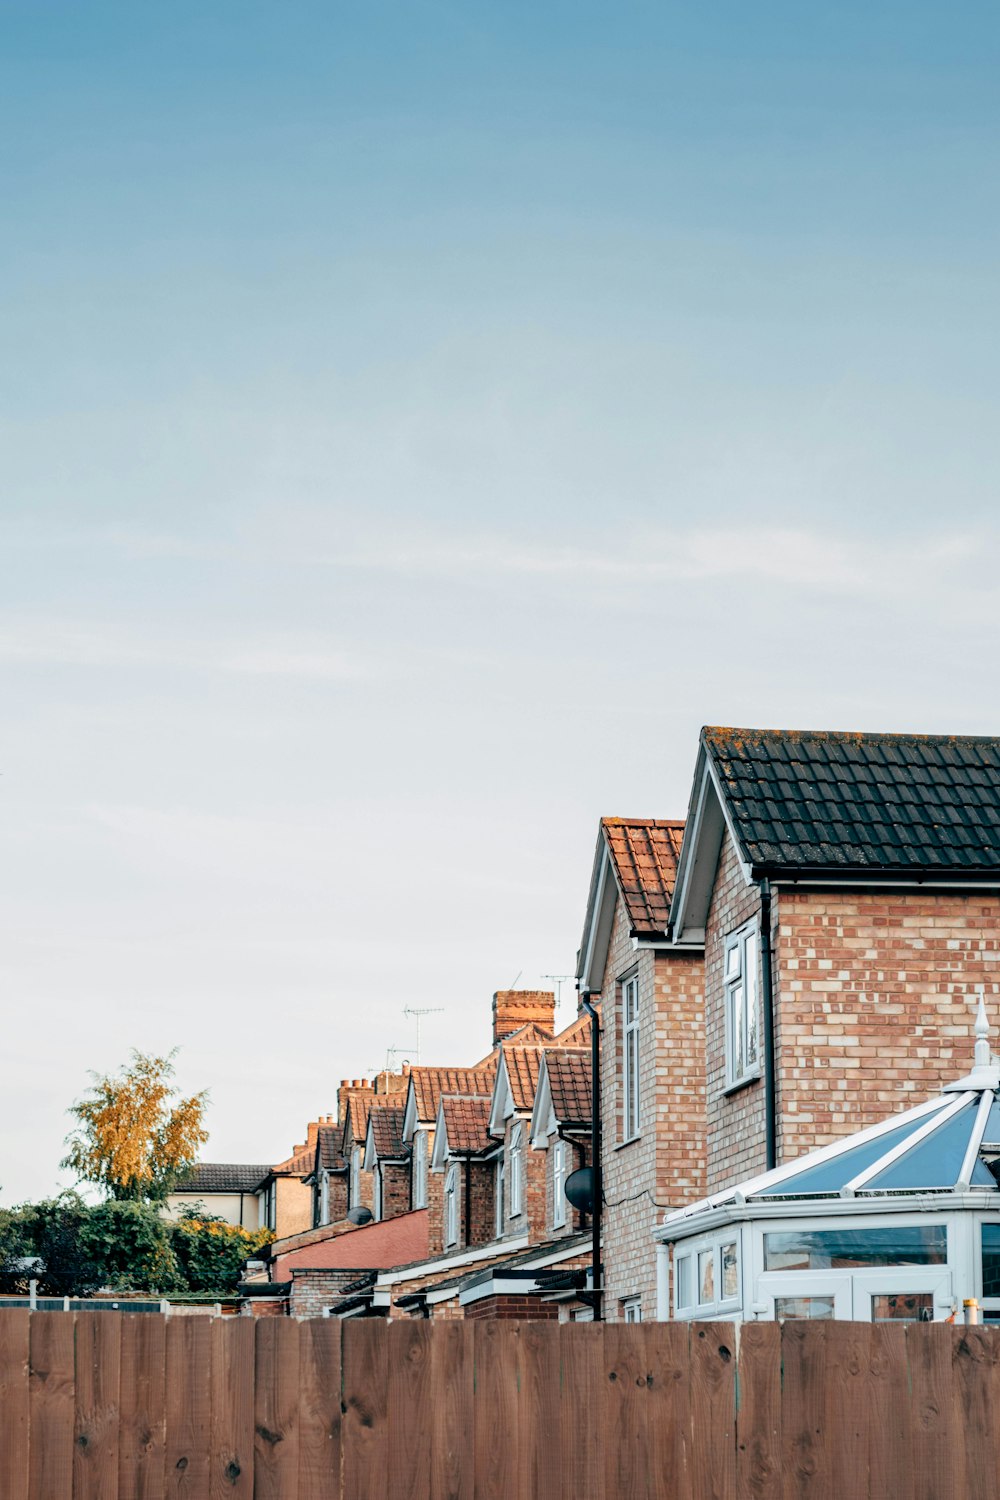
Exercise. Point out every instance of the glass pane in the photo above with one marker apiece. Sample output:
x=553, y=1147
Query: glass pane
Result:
x=706, y=1276
x=738, y=1021
x=751, y=1026
x=631, y=1001
x=903, y=1307
x=936, y=1161
x=991, y=1260
x=803, y=1307
x=830, y=1176
x=750, y=965
x=730, y=1273
x=683, y=1273
x=836, y=1249
x=991, y=1135
x=733, y=960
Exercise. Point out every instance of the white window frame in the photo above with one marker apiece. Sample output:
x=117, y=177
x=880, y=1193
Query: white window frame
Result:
x=420, y=1169
x=377, y=1190
x=632, y=1309
x=558, y=1149
x=355, y=1193
x=324, y=1198
x=738, y=974
x=498, y=1207
x=516, y=1157
x=451, y=1206
x=631, y=1092
x=691, y=1251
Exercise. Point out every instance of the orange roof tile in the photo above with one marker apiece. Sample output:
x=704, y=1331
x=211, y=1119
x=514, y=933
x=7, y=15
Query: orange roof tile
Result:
x=467, y=1122
x=522, y=1065
x=430, y=1083
x=644, y=852
x=386, y=1120
x=568, y=1070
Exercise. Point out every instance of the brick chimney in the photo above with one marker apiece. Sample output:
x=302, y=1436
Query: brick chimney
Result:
x=513, y=1009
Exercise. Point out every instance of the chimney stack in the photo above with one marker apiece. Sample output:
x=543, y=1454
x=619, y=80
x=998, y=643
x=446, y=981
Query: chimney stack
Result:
x=513, y=1009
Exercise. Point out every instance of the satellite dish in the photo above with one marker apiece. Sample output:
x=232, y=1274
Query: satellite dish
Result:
x=580, y=1189
x=359, y=1215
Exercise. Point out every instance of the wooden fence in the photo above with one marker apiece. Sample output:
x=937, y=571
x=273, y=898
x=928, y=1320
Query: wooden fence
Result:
x=107, y=1406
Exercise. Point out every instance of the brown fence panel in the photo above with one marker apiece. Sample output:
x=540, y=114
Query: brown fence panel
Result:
x=276, y=1409
x=319, y=1409
x=668, y=1382
x=98, y=1417
x=977, y=1398
x=758, y=1413
x=189, y=1407
x=365, y=1426
x=142, y=1400
x=889, y=1450
x=231, y=1463
x=51, y=1406
x=497, y=1436
x=453, y=1457
x=938, y=1459
x=411, y=1403
x=582, y=1445
x=713, y=1411
x=14, y=1431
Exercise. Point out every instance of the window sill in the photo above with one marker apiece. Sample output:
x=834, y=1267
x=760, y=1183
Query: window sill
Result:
x=741, y=1083
x=632, y=1141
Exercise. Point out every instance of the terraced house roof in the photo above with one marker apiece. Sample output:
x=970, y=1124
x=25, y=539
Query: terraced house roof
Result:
x=222, y=1177
x=522, y=1065
x=816, y=799
x=644, y=852
x=329, y=1156
x=386, y=1124
x=568, y=1069
x=467, y=1122
x=430, y=1083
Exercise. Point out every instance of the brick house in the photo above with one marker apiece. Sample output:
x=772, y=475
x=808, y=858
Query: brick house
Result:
x=353, y=1101
x=329, y=1176
x=465, y=1153
x=561, y=1128
x=387, y=1157
x=845, y=892
x=426, y=1087
x=284, y=1193
x=650, y=996
x=225, y=1190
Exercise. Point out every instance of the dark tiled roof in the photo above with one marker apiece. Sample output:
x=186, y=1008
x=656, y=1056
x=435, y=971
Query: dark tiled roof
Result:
x=904, y=802
x=568, y=1069
x=523, y=1064
x=222, y=1177
x=430, y=1083
x=329, y=1140
x=386, y=1123
x=644, y=852
x=356, y=1113
x=467, y=1122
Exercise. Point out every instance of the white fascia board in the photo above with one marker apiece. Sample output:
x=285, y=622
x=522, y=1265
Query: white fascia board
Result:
x=500, y=1285
x=492, y=1251
x=703, y=835
x=410, y=1121
x=745, y=865
x=540, y=1128
x=439, y=1155
x=502, y=1106
x=777, y=1213
x=600, y=920
x=369, y=1158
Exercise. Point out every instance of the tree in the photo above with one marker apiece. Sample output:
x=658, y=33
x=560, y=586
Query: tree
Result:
x=211, y=1254
x=133, y=1140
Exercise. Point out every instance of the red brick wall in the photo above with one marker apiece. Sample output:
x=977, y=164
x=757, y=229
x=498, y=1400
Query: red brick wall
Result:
x=395, y=1189
x=522, y=1308
x=532, y=1218
x=878, y=996
x=666, y=1164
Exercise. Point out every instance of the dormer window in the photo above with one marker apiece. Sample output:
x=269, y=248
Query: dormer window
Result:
x=742, y=1007
x=355, y=1176
x=420, y=1169
x=516, y=1155
x=558, y=1149
x=499, y=1204
x=451, y=1206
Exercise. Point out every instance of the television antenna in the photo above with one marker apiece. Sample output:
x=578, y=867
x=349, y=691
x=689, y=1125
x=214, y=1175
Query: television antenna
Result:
x=559, y=980
x=417, y=1012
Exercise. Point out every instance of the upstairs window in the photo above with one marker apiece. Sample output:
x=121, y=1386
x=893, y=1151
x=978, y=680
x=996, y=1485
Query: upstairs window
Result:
x=516, y=1153
x=419, y=1188
x=558, y=1183
x=451, y=1206
x=499, y=1204
x=631, y=1310
x=355, y=1176
x=378, y=1190
x=630, y=1066
x=742, y=1004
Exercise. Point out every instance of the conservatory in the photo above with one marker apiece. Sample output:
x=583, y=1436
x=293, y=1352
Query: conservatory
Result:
x=900, y=1221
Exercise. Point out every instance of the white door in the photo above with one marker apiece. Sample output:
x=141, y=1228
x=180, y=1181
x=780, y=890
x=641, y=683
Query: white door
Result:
x=803, y=1294
x=898, y=1294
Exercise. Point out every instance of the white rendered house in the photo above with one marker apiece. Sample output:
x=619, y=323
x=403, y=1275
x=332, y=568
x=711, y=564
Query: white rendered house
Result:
x=900, y=1221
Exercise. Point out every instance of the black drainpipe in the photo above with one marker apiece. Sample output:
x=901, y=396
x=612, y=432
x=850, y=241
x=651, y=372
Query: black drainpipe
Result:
x=468, y=1200
x=770, y=1089
x=595, y=1111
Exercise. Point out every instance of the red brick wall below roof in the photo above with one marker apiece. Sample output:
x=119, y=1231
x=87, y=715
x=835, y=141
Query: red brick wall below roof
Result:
x=393, y=1242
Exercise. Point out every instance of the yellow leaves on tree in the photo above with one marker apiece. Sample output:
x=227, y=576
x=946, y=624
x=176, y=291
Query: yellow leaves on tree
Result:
x=133, y=1139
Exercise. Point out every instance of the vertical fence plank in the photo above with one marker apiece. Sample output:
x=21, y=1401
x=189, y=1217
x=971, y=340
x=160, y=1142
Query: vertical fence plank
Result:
x=364, y=1428
x=626, y=1458
x=496, y=1410
x=14, y=1375
x=581, y=1413
x=938, y=1456
x=98, y=1419
x=805, y=1443
x=275, y=1409
x=538, y=1411
x=51, y=1406
x=890, y=1453
x=319, y=1409
x=189, y=1407
x=848, y=1350
x=452, y=1454
x=977, y=1400
x=410, y=1404
x=668, y=1365
x=713, y=1411
x=231, y=1461
x=143, y=1407
x=758, y=1413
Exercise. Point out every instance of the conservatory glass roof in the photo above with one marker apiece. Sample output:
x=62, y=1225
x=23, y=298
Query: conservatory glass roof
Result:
x=937, y=1147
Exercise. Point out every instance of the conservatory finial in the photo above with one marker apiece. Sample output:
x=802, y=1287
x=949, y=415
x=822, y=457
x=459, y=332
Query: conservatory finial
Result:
x=982, y=1055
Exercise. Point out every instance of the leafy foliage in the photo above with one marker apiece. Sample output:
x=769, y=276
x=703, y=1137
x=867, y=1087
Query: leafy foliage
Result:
x=133, y=1140
x=73, y=1248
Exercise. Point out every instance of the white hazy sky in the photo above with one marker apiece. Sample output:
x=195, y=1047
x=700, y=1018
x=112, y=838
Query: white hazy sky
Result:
x=415, y=421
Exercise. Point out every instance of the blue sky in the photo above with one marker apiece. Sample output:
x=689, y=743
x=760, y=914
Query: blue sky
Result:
x=415, y=421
